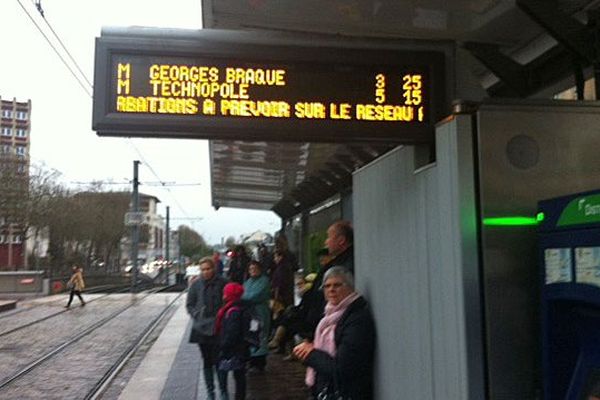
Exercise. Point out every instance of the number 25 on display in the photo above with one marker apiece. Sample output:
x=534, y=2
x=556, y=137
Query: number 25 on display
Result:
x=412, y=89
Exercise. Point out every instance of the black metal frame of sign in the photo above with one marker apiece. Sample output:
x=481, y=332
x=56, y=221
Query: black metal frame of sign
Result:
x=192, y=84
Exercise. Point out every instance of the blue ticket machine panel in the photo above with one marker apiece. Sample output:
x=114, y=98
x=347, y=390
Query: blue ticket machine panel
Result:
x=569, y=253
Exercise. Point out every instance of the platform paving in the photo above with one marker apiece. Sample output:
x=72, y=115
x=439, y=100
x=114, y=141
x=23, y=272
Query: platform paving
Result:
x=171, y=370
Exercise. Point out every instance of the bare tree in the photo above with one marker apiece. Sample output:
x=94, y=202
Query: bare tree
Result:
x=100, y=225
x=44, y=190
x=191, y=243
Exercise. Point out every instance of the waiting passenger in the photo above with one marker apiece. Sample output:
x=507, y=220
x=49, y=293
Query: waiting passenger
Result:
x=218, y=263
x=341, y=357
x=204, y=299
x=238, y=265
x=266, y=259
x=233, y=349
x=257, y=292
x=292, y=322
x=76, y=284
x=282, y=281
x=339, y=242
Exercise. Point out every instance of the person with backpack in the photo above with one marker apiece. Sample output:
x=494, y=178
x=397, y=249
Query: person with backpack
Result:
x=257, y=292
x=230, y=326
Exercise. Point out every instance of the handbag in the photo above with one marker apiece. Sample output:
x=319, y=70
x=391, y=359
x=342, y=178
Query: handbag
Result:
x=231, y=363
x=330, y=391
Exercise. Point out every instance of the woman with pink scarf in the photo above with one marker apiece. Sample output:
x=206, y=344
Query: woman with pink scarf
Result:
x=340, y=360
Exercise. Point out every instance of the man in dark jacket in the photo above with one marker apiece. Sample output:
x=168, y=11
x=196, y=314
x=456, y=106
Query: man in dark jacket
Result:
x=339, y=242
x=204, y=299
x=238, y=265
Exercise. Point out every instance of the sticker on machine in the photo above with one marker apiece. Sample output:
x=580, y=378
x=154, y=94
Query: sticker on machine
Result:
x=587, y=265
x=558, y=265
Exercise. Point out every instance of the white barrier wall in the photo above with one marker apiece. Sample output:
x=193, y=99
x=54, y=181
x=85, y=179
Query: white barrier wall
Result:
x=416, y=262
x=21, y=281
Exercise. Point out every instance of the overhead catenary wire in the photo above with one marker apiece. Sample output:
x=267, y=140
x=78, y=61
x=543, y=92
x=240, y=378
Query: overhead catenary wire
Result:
x=165, y=184
x=162, y=183
x=38, y=6
x=87, y=90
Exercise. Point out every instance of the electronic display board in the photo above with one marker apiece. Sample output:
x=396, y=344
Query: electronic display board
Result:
x=205, y=88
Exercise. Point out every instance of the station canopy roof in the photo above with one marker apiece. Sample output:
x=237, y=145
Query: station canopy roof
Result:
x=523, y=48
x=284, y=177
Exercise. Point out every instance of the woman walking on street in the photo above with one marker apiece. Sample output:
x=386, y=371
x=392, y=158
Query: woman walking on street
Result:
x=76, y=284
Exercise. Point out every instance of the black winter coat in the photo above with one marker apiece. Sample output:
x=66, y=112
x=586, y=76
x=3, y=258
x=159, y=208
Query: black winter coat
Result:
x=238, y=268
x=204, y=299
x=353, y=362
x=232, y=341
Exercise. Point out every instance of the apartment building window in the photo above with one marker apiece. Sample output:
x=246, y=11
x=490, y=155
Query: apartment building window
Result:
x=7, y=114
x=2, y=239
x=17, y=239
x=5, y=149
x=21, y=133
x=21, y=168
x=6, y=131
x=22, y=115
x=20, y=150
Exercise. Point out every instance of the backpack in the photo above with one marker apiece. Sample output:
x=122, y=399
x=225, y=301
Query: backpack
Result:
x=252, y=324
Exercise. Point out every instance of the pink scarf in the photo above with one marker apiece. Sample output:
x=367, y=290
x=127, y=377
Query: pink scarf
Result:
x=325, y=333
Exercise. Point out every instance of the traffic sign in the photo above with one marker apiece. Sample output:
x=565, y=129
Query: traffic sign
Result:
x=135, y=218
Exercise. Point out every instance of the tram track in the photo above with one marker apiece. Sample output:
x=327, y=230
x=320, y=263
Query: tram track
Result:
x=100, y=387
x=113, y=370
x=46, y=317
x=92, y=290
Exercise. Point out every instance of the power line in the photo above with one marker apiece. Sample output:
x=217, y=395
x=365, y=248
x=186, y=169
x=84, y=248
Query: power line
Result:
x=55, y=50
x=146, y=163
x=162, y=183
x=39, y=7
x=98, y=183
x=165, y=184
x=170, y=184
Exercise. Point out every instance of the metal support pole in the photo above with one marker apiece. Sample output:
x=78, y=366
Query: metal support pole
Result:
x=594, y=24
x=579, y=79
x=135, y=229
x=597, y=80
x=168, y=247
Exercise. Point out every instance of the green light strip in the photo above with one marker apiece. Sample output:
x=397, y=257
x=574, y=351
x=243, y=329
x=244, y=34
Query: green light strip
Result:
x=511, y=221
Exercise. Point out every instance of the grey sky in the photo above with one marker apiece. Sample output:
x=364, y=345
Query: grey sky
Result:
x=61, y=133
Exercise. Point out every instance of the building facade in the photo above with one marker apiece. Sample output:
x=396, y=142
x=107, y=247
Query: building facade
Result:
x=15, y=127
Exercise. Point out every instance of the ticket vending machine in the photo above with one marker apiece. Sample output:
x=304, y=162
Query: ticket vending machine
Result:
x=569, y=246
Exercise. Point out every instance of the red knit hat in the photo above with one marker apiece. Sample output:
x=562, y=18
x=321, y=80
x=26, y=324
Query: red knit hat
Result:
x=233, y=291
